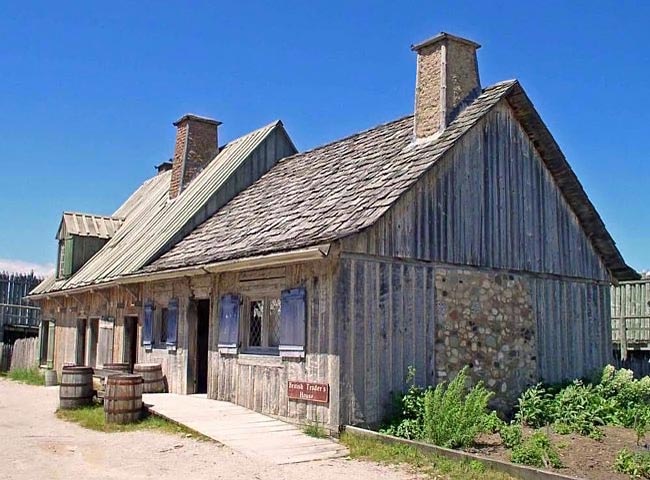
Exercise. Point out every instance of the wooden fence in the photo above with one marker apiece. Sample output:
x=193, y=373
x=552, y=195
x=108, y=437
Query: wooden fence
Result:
x=631, y=316
x=15, y=311
x=23, y=354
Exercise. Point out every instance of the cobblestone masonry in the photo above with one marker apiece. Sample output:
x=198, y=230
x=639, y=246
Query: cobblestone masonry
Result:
x=485, y=321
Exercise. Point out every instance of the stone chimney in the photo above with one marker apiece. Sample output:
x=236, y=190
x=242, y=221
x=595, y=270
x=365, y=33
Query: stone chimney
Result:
x=447, y=81
x=196, y=146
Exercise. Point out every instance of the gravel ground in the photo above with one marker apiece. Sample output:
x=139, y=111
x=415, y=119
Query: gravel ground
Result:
x=36, y=444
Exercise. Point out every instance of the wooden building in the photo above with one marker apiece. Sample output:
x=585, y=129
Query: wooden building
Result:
x=303, y=285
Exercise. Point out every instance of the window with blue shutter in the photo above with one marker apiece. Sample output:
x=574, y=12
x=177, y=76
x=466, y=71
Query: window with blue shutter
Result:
x=229, y=308
x=172, y=322
x=293, y=319
x=147, y=325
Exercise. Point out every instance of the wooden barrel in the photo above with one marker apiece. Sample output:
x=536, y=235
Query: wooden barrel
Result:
x=123, y=398
x=50, y=378
x=76, y=388
x=152, y=376
x=118, y=367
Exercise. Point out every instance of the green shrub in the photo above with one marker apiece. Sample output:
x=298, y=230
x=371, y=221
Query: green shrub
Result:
x=614, y=398
x=451, y=415
x=455, y=415
x=637, y=465
x=534, y=407
x=409, y=411
x=581, y=409
x=511, y=435
x=536, y=451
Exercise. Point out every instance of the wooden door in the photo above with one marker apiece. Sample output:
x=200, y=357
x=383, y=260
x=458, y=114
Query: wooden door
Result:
x=130, y=350
x=93, y=338
x=203, y=328
x=80, y=353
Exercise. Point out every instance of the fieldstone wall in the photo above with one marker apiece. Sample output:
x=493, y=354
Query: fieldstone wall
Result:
x=485, y=321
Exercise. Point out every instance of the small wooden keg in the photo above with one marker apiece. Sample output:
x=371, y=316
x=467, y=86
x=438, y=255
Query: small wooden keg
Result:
x=152, y=376
x=76, y=388
x=123, y=398
x=50, y=378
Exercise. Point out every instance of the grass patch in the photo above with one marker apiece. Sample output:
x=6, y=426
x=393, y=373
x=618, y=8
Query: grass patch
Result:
x=431, y=465
x=315, y=430
x=31, y=376
x=92, y=417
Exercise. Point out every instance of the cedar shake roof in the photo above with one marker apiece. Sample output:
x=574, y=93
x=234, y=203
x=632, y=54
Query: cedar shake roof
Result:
x=344, y=187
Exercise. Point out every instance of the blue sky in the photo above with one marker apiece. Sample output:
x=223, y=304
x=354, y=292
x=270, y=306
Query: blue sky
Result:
x=89, y=91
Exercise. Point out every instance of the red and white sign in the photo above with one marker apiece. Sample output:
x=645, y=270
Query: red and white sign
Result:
x=309, y=392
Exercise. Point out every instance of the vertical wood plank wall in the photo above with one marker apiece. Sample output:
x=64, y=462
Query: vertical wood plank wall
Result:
x=114, y=302
x=386, y=311
x=260, y=383
x=573, y=328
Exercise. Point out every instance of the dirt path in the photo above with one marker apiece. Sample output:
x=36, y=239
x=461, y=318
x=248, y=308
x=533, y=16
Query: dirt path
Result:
x=35, y=444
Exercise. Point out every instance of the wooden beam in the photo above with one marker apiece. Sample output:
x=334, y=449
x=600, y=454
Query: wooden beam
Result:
x=132, y=291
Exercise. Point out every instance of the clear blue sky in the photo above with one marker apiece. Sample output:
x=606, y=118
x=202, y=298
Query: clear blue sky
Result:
x=88, y=93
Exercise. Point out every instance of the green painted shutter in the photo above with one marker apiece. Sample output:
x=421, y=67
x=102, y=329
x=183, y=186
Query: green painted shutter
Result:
x=50, y=344
x=67, y=258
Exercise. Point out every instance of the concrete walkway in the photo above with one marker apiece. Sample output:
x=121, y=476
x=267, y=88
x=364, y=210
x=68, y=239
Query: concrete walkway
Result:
x=250, y=433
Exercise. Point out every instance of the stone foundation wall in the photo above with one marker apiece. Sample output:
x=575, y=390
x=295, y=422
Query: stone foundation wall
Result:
x=485, y=321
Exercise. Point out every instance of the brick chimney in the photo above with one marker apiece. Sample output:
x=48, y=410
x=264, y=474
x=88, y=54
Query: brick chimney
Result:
x=447, y=81
x=196, y=146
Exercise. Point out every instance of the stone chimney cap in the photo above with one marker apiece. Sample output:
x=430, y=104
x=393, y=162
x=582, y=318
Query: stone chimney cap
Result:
x=443, y=36
x=196, y=118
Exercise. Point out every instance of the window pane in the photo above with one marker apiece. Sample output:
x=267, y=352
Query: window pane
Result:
x=163, y=326
x=274, y=322
x=255, y=335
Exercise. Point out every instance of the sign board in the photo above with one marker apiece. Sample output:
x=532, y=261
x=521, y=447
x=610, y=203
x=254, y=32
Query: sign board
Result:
x=310, y=392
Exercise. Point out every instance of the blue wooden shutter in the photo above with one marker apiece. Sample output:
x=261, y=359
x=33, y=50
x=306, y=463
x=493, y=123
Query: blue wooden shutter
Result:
x=229, y=321
x=172, y=322
x=147, y=324
x=293, y=319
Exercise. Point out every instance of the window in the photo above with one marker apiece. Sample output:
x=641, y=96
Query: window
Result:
x=160, y=328
x=264, y=322
x=263, y=329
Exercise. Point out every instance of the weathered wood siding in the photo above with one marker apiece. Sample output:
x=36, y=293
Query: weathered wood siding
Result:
x=386, y=311
x=573, y=327
x=260, y=382
x=489, y=202
x=175, y=362
x=66, y=312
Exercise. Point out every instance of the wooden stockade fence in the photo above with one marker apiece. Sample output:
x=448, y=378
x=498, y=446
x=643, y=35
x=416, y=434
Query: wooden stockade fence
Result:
x=23, y=354
x=631, y=316
x=16, y=312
